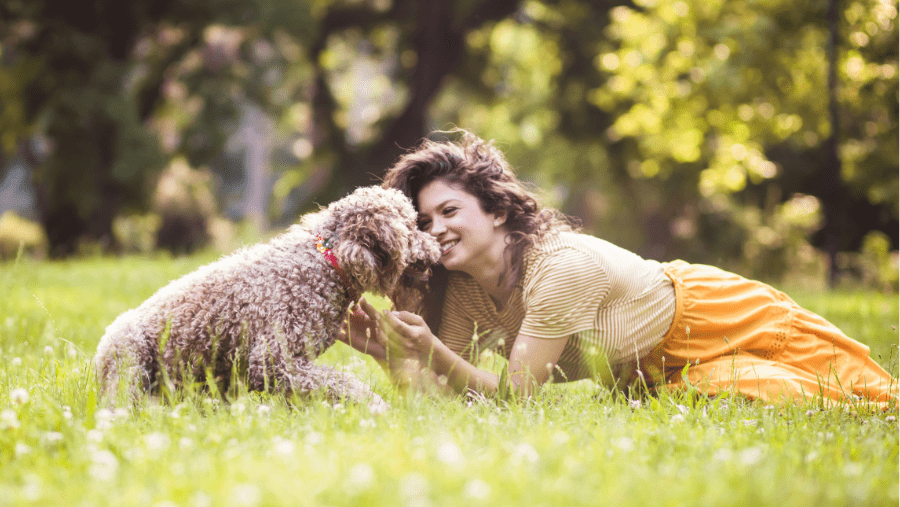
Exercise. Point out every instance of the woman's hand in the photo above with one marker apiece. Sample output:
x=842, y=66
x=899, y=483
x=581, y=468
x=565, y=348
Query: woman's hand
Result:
x=361, y=330
x=407, y=336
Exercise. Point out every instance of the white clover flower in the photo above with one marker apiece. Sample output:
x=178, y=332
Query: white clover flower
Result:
x=750, y=456
x=283, y=447
x=238, y=408
x=450, y=454
x=414, y=485
x=121, y=413
x=890, y=419
x=19, y=396
x=72, y=352
x=634, y=404
x=104, y=465
x=16, y=361
x=477, y=489
x=9, y=420
x=185, y=443
x=624, y=443
x=157, y=442
x=52, y=438
x=22, y=449
x=360, y=477
x=677, y=418
x=246, y=495
x=263, y=410
x=94, y=436
x=525, y=452
x=314, y=438
x=48, y=350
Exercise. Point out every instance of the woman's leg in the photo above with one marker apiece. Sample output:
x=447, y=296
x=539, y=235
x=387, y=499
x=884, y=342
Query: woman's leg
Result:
x=742, y=335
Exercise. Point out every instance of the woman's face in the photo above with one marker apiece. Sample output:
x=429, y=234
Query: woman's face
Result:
x=470, y=238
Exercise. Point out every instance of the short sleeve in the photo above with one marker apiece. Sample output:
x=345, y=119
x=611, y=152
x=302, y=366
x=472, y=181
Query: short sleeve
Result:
x=563, y=293
x=457, y=327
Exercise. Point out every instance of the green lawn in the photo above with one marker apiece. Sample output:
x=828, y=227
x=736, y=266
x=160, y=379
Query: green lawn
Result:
x=574, y=445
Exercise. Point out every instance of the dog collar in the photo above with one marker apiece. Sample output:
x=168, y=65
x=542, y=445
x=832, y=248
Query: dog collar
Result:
x=324, y=246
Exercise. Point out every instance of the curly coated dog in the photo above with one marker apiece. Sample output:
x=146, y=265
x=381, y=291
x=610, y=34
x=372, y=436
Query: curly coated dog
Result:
x=266, y=311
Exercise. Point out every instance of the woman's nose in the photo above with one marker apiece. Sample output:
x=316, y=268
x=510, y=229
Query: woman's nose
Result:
x=437, y=228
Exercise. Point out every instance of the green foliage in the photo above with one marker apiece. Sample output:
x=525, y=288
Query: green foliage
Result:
x=572, y=445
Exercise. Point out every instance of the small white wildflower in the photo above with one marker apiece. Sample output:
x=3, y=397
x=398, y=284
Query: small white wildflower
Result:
x=48, y=350
x=360, y=477
x=624, y=443
x=105, y=465
x=687, y=329
x=121, y=413
x=263, y=410
x=853, y=469
x=238, y=408
x=748, y=422
x=367, y=423
x=634, y=404
x=339, y=408
x=450, y=454
x=94, y=436
x=677, y=418
x=414, y=485
x=9, y=420
x=890, y=419
x=16, y=361
x=769, y=407
x=283, y=447
x=810, y=413
x=561, y=438
x=72, y=352
x=201, y=499
x=314, y=438
x=477, y=489
x=246, y=495
x=103, y=419
x=22, y=449
x=67, y=413
x=525, y=452
x=52, y=438
x=19, y=396
x=811, y=457
x=157, y=442
x=681, y=408
x=722, y=455
x=751, y=456
x=185, y=443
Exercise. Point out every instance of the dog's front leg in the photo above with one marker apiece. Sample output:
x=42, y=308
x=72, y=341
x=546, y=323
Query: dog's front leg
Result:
x=336, y=386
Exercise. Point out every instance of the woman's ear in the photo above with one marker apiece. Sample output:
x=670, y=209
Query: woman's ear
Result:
x=499, y=218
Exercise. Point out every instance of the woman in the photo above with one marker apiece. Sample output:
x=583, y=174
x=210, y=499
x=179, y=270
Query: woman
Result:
x=566, y=306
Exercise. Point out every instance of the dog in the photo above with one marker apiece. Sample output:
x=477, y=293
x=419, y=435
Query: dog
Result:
x=267, y=311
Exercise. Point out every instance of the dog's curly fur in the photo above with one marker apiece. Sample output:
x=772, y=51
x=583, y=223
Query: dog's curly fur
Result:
x=266, y=311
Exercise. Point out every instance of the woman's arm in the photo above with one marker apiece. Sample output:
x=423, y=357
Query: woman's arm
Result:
x=531, y=361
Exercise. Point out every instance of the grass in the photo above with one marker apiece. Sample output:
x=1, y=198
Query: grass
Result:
x=575, y=444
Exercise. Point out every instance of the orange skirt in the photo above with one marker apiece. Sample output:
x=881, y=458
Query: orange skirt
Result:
x=743, y=336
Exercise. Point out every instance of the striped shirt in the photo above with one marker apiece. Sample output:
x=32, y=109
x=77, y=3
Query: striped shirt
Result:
x=610, y=304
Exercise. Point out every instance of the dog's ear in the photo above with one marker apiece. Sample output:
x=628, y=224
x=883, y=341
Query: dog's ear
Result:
x=360, y=262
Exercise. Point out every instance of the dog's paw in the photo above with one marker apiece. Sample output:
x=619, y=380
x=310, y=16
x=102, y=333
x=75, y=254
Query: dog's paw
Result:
x=378, y=406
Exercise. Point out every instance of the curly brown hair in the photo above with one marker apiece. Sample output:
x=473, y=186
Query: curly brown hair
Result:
x=481, y=169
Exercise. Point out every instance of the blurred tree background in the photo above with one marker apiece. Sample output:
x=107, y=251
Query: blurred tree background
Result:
x=760, y=135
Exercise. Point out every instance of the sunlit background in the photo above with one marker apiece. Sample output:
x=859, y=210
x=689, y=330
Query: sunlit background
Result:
x=756, y=135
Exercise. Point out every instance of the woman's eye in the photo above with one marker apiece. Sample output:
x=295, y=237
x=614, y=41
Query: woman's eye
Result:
x=449, y=210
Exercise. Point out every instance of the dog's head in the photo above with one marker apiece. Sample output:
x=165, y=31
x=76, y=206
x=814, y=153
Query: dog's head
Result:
x=376, y=241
